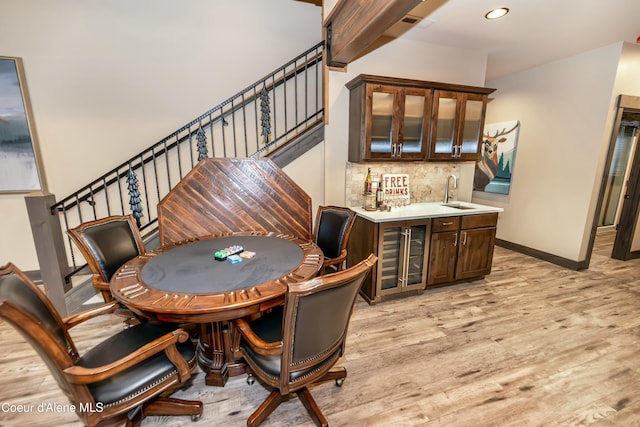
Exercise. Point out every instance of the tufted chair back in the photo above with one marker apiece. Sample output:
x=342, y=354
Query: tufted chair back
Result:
x=316, y=322
x=311, y=329
x=126, y=375
x=106, y=244
x=18, y=294
x=332, y=229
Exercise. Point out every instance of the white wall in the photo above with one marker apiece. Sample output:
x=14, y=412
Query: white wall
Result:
x=109, y=78
x=565, y=110
x=308, y=172
x=400, y=58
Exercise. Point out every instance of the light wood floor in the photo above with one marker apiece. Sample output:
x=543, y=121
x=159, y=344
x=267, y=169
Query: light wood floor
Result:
x=532, y=344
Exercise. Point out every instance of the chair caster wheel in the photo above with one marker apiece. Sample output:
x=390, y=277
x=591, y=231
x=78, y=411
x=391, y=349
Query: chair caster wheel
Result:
x=251, y=379
x=195, y=418
x=339, y=382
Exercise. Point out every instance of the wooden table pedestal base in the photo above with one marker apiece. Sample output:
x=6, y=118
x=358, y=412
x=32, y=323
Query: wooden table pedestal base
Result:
x=214, y=354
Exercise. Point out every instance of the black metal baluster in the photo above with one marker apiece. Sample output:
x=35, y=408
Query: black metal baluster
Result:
x=306, y=87
x=295, y=91
x=91, y=202
x=70, y=243
x=244, y=125
x=166, y=160
x=224, y=139
x=318, y=93
x=256, y=115
x=78, y=208
x=144, y=185
x=118, y=179
x=190, y=145
x=233, y=129
x=155, y=172
x=284, y=90
x=274, y=132
x=106, y=196
x=178, y=152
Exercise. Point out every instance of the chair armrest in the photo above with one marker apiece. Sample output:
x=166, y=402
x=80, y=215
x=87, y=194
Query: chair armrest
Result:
x=83, y=316
x=332, y=261
x=167, y=343
x=98, y=282
x=255, y=342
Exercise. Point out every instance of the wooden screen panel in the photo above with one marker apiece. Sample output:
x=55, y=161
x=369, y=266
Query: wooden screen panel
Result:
x=227, y=195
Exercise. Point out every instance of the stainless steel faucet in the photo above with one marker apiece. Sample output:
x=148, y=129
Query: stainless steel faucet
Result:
x=446, y=189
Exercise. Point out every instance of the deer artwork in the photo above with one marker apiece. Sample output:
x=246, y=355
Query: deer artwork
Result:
x=487, y=165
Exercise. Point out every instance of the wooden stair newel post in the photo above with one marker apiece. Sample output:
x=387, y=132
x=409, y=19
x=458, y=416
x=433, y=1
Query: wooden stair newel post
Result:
x=50, y=249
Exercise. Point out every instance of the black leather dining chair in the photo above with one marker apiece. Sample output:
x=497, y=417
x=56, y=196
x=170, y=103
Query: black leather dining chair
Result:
x=106, y=244
x=125, y=377
x=298, y=344
x=332, y=229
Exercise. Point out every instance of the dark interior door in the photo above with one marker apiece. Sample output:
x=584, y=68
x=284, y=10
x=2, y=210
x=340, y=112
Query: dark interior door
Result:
x=629, y=213
x=628, y=108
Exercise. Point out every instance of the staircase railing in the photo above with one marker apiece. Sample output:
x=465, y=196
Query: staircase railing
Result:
x=253, y=123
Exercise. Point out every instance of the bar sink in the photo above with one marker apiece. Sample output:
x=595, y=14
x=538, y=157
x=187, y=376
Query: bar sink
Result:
x=457, y=205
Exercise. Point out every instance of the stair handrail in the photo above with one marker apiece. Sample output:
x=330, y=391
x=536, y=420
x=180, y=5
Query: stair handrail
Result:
x=58, y=206
x=274, y=130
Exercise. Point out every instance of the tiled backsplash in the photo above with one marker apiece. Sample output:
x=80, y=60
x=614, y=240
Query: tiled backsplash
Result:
x=426, y=180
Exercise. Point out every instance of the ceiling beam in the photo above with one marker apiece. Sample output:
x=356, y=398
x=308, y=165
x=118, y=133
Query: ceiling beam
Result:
x=353, y=25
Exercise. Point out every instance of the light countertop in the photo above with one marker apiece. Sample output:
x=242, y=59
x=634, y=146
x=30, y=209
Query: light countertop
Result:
x=426, y=210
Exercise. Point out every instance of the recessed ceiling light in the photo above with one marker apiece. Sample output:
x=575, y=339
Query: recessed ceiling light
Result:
x=496, y=13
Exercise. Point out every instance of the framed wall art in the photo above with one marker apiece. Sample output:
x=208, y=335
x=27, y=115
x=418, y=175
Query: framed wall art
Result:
x=495, y=165
x=20, y=170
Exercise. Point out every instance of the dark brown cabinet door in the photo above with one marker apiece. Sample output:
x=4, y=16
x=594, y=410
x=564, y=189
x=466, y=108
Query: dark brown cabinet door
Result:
x=381, y=122
x=475, y=252
x=444, y=125
x=461, y=248
x=413, y=136
x=456, y=125
x=396, y=125
x=442, y=257
x=471, y=126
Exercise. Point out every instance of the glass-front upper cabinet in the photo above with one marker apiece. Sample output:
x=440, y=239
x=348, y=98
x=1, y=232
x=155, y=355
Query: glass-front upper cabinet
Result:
x=472, y=126
x=394, y=119
x=397, y=125
x=382, y=131
x=457, y=125
x=446, y=110
x=414, y=129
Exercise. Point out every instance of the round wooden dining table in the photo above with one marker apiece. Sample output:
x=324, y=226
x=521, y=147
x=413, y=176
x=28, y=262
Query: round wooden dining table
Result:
x=184, y=283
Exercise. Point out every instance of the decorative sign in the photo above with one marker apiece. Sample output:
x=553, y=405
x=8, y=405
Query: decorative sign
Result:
x=395, y=187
